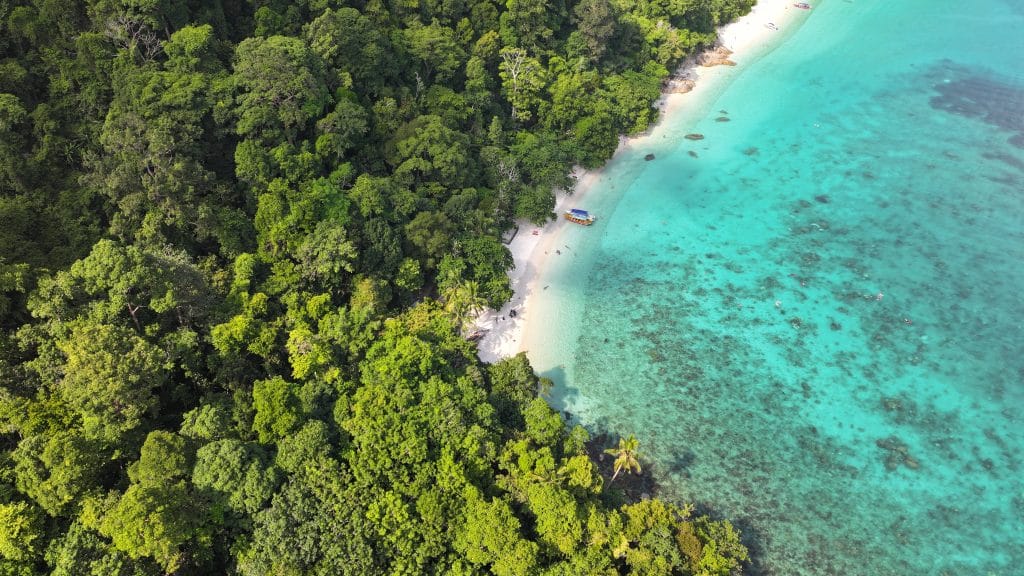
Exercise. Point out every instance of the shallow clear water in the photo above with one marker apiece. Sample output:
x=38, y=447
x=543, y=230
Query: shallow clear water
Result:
x=813, y=319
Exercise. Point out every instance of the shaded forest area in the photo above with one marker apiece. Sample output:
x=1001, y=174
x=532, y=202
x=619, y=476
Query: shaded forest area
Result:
x=238, y=242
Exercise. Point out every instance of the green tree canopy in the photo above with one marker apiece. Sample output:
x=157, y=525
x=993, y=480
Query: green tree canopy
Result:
x=110, y=380
x=281, y=87
x=241, y=246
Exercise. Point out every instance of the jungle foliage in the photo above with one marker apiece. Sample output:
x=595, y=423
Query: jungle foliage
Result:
x=238, y=241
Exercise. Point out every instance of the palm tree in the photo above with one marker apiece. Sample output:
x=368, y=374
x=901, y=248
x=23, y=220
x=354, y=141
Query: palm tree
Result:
x=544, y=386
x=464, y=302
x=626, y=456
x=475, y=303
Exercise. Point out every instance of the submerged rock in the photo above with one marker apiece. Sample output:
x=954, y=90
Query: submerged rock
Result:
x=898, y=454
x=649, y=157
x=694, y=136
x=655, y=355
x=892, y=462
x=892, y=404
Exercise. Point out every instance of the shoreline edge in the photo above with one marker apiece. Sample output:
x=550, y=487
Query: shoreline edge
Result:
x=750, y=36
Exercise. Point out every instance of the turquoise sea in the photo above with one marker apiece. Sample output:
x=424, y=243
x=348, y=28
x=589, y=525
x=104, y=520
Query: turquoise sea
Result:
x=813, y=318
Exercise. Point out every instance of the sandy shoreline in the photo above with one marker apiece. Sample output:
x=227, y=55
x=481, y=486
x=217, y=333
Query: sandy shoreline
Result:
x=748, y=36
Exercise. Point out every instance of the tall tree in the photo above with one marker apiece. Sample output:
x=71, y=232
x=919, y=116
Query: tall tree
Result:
x=154, y=142
x=58, y=468
x=357, y=52
x=597, y=22
x=626, y=456
x=21, y=540
x=522, y=79
x=110, y=380
x=464, y=302
x=160, y=516
x=435, y=50
x=281, y=86
x=526, y=23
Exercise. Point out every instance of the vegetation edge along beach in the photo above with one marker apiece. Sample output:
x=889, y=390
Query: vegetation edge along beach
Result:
x=240, y=246
x=507, y=331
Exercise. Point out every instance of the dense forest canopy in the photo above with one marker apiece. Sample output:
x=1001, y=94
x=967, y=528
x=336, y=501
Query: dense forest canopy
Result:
x=238, y=243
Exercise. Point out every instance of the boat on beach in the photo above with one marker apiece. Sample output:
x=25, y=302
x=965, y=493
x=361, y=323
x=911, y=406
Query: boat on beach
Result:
x=803, y=5
x=580, y=216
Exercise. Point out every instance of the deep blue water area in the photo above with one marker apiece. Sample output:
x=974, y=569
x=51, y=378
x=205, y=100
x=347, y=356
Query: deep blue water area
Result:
x=813, y=318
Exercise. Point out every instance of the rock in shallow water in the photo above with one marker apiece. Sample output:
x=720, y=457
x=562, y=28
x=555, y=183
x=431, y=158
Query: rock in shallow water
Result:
x=898, y=453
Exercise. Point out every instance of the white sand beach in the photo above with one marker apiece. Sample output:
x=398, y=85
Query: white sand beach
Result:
x=530, y=247
x=747, y=37
x=750, y=36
